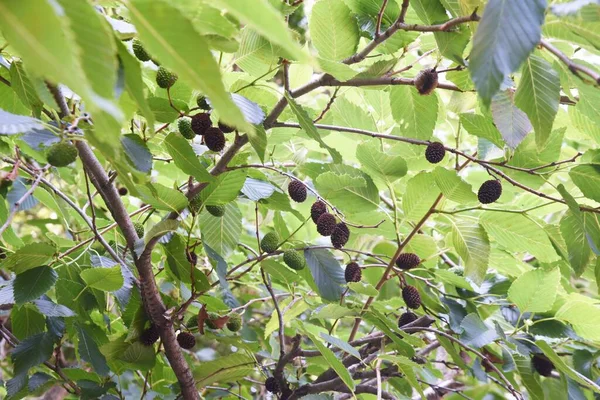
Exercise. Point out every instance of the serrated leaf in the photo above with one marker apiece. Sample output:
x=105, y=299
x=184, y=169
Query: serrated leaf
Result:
x=508, y=31
x=256, y=189
x=333, y=31
x=308, y=126
x=363, y=288
x=341, y=345
x=185, y=158
x=51, y=309
x=472, y=244
x=88, y=351
x=171, y=37
x=415, y=114
x=421, y=192
x=340, y=71
x=352, y=192
x=535, y=290
x=164, y=226
x=573, y=232
x=33, y=283
x=475, y=332
x=258, y=141
x=327, y=273
x=180, y=266
x=538, y=95
x=381, y=164
x=105, y=279
x=587, y=179
x=31, y=352
x=512, y=123
x=162, y=197
x=137, y=152
x=453, y=187
x=224, y=189
x=11, y=124
x=22, y=85
x=224, y=369
x=333, y=311
x=482, y=127
x=222, y=234
x=29, y=256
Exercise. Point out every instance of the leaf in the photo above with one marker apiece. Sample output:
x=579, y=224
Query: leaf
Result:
x=415, y=114
x=572, y=230
x=517, y=233
x=133, y=82
x=162, y=110
x=88, y=351
x=538, y=95
x=473, y=246
x=388, y=167
x=180, y=266
x=332, y=360
x=137, y=151
x=172, y=38
x=341, y=344
x=33, y=283
x=584, y=317
x=563, y=367
x=224, y=189
x=363, y=288
x=105, y=279
x=512, y=123
x=290, y=315
x=256, y=189
x=51, y=309
x=453, y=187
x=93, y=36
x=531, y=381
x=327, y=273
x=11, y=124
x=164, y=226
x=29, y=256
x=482, y=127
x=22, y=85
x=421, y=192
x=139, y=356
x=308, y=126
x=184, y=157
x=222, y=234
x=352, y=192
x=475, y=332
x=258, y=140
x=332, y=311
x=263, y=18
x=587, y=179
x=162, y=197
x=508, y=31
x=535, y=291
x=334, y=32
x=31, y=352
x=251, y=111
x=224, y=369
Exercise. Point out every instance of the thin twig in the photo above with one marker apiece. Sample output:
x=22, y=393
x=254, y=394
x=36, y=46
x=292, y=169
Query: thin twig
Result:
x=379, y=18
x=573, y=67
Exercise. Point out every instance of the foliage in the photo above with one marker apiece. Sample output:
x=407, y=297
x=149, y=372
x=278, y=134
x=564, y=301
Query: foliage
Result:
x=210, y=199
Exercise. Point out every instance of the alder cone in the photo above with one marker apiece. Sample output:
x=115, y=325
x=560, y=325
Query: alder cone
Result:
x=272, y=385
x=216, y=211
x=186, y=340
x=542, y=364
x=123, y=191
x=407, y=318
x=185, y=128
x=326, y=224
x=489, y=191
x=200, y=123
x=407, y=261
x=139, y=51
x=435, y=152
x=340, y=235
x=61, y=154
x=214, y=139
x=297, y=191
x=202, y=103
x=149, y=336
x=426, y=81
x=411, y=297
x=352, y=273
x=225, y=128
x=165, y=78
x=317, y=209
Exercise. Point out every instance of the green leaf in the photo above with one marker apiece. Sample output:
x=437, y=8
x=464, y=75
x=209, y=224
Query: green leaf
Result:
x=334, y=32
x=531, y=381
x=421, y=192
x=105, y=279
x=222, y=234
x=538, y=95
x=473, y=246
x=453, y=187
x=363, y=288
x=475, y=332
x=518, y=233
x=180, y=266
x=535, y=291
x=341, y=345
x=33, y=283
x=573, y=232
x=224, y=189
x=139, y=356
x=482, y=127
x=29, y=256
x=31, y=352
x=258, y=141
x=352, y=192
x=508, y=31
x=327, y=273
x=584, y=317
x=162, y=110
x=340, y=71
x=378, y=163
x=256, y=55
x=587, y=179
x=331, y=360
x=88, y=351
x=512, y=123
x=97, y=47
x=224, y=369
x=22, y=85
x=563, y=367
x=164, y=226
x=172, y=38
x=294, y=311
x=414, y=113
x=133, y=82
x=184, y=157
x=162, y=197
x=333, y=311
x=263, y=18
x=309, y=127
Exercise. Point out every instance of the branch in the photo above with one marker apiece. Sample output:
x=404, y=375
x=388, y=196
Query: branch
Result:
x=379, y=18
x=573, y=67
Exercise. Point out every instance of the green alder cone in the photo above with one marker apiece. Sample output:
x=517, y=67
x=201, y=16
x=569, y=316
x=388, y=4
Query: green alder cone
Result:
x=61, y=154
x=139, y=51
x=234, y=323
x=165, y=78
x=269, y=242
x=185, y=128
x=210, y=321
x=139, y=229
x=216, y=211
x=294, y=259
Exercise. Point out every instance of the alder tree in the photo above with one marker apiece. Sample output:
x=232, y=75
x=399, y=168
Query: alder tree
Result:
x=321, y=199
